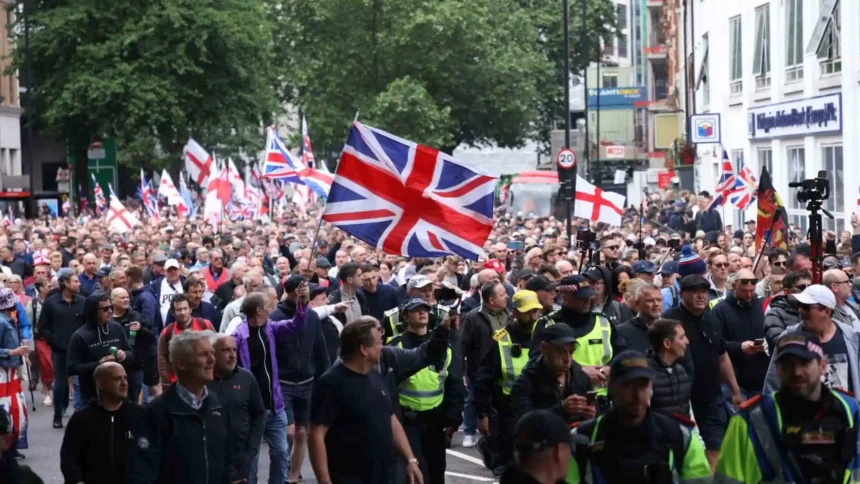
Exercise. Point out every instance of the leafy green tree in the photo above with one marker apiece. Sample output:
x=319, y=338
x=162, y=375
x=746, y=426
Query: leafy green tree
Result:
x=151, y=74
x=440, y=72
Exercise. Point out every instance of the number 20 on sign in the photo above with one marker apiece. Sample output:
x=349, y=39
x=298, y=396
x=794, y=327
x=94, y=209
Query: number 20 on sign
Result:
x=566, y=159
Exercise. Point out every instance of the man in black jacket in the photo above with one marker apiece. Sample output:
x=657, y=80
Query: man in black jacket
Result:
x=302, y=358
x=784, y=311
x=741, y=317
x=97, y=441
x=98, y=341
x=349, y=276
x=601, y=282
x=635, y=331
x=141, y=341
x=240, y=394
x=554, y=381
x=672, y=382
x=183, y=435
x=62, y=315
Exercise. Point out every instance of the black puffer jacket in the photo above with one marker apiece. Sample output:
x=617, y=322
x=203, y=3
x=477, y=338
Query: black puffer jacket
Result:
x=672, y=387
x=781, y=314
x=537, y=389
x=743, y=321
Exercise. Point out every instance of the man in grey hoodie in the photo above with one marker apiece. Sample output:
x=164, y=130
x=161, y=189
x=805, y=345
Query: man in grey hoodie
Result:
x=841, y=343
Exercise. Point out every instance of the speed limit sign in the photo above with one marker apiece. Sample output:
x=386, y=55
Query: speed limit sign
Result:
x=566, y=159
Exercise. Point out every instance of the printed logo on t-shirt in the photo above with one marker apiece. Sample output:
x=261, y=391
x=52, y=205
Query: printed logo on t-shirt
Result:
x=837, y=371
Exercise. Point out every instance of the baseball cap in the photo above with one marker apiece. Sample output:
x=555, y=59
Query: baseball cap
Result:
x=525, y=274
x=494, y=264
x=316, y=290
x=817, y=294
x=694, y=281
x=578, y=285
x=649, y=241
x=7, y=299
x=558, y=334
x=630, y=365
x=159, y=258
x=540, y=283
x=171, y=264
x=292, y=283
x=801, y=344
x=644, y=267
x=323, y=263
x=526, y=300
x=539, y=430
x=418, y=281
x=669, y=268
x=103, y=272
x=415, y=303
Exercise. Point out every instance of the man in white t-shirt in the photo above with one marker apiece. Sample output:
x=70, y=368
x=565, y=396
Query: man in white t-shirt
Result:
x=166, y=288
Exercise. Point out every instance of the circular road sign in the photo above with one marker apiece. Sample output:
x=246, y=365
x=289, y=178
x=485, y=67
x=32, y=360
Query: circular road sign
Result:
x=566, y=159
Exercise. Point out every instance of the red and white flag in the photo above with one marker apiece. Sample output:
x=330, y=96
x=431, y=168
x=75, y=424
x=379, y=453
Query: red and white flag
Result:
x=198, y=163
x=594, y=204
x=168, y=190
x=218, y=195
x=235, y=178
x=119, y=219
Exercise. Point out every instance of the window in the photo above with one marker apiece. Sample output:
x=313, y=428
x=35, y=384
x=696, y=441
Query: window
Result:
x=796, y=172
x=765, y=160
x=702, y=81
x=736, y=83
x=610, y=80
x=794, y=41
x=761, y=55
x=832, y=162
x=621, y=36
x=826, y=41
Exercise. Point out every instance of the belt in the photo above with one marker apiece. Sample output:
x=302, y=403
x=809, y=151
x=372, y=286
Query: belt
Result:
x=297, y=383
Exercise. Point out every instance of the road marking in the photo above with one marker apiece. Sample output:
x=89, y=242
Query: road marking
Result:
x=467, y=476
x=473, y=460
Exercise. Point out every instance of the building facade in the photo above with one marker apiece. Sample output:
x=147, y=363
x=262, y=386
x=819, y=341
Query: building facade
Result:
x=10, y=107
x=774, y=72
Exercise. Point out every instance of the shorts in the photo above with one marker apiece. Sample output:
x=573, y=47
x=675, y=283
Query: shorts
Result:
x=297, y=402
x=711, y=419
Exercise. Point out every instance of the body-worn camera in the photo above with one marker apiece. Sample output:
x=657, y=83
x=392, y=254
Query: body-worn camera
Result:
x=812, y=190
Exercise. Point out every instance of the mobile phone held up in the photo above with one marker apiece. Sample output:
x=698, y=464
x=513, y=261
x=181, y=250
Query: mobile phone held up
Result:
x=515, y=245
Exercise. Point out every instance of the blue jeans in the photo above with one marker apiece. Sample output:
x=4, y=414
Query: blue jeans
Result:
x=61, y=384
x=275, y=435
x=80, y=401
x=470, y=415
x=135, y=383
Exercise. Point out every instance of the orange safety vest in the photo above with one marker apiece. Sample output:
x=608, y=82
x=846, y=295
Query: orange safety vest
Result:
x=211, y=282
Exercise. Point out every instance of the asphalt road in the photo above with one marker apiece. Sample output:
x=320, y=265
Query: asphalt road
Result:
x=43, y=456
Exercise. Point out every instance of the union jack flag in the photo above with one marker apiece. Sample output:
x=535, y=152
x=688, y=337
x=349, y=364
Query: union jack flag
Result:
x=744, y=192
x=407, y=199
x=101, y=203
x=148, y=196
x=727, y=178
x=282, y=165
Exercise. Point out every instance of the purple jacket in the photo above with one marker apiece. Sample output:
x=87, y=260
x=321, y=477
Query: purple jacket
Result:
x=275, y=330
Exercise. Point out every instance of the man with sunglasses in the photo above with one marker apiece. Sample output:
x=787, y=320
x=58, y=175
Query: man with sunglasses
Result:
x=783, y=310
x=91, y=345
x=840, y=343
x=776, y=258
x=611, y=249
x=845, y=312
x=741, y=317
x=718, y=275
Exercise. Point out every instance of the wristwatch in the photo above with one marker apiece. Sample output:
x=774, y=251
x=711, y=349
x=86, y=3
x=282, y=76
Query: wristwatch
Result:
x=412, y=461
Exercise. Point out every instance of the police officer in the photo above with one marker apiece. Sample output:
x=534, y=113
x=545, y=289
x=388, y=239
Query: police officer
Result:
x=432, y=399
x=496, y=375
x=596, y=339
x=632, y=444
x=804, y=432
x=421, y=287
x=543, y=450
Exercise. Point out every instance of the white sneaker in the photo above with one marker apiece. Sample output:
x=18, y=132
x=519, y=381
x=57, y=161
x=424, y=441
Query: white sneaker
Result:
x=47, y=402
x=469, y=441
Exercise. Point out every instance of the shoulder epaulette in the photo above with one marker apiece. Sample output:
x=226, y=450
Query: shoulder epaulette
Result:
x=391, y=311
x=750, y=403
x=499, y=334
x=684, y=420
x=843, y=391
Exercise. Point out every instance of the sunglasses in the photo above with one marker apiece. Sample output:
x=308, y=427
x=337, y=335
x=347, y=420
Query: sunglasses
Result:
x=747, y=282
x=800, y=287
x=811, y=306
x=721, y=265
x=106, y=308
x=779, y=264
x=612, y=247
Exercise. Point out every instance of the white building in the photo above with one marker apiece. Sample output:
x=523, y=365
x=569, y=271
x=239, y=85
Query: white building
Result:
x=773, y=70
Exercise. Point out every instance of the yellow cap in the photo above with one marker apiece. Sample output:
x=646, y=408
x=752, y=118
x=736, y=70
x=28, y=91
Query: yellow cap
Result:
x=525, y=301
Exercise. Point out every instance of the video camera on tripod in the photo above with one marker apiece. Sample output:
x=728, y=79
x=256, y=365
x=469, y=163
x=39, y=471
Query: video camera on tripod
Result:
x=812, y=192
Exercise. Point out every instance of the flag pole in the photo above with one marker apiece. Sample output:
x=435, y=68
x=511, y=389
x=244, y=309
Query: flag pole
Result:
x=776, y=214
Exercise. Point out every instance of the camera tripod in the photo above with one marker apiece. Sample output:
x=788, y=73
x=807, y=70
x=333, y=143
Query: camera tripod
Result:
x=816, y=238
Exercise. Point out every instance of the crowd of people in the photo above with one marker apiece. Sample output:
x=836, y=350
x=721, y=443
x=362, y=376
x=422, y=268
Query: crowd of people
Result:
x=669, y=348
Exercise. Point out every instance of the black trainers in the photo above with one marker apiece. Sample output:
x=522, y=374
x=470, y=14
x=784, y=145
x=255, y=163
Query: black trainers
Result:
x=58, y=424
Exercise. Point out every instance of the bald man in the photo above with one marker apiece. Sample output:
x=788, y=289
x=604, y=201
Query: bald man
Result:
x=144, y=338
x=741, y=316
x=239, y=393
x=96, y=444
x=846, y=312
x=474, y=301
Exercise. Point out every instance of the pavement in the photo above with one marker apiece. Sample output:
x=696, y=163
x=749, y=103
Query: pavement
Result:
x=43, y=456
